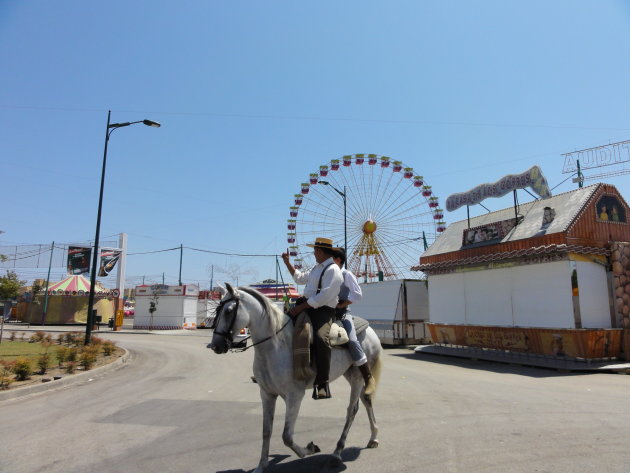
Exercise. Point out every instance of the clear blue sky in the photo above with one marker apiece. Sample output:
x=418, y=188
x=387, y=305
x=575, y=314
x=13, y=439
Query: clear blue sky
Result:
x=253, y=96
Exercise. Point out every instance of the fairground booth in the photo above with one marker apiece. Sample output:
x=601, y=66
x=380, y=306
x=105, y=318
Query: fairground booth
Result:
x=276, y=291
x=164, y=307
x=549, y=277
x=67, y=303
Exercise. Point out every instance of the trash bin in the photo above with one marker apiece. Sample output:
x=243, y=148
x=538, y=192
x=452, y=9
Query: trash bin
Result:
x=110, y=322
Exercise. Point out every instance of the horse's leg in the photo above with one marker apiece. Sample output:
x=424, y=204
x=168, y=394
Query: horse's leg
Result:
x=367, y=402
x=293, y=401
x=356, y=387
x=269, y=408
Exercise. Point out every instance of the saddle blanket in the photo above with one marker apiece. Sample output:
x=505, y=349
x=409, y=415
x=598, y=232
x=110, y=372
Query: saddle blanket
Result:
x=302, y=339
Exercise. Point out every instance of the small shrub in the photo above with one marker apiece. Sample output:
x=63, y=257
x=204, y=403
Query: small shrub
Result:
x=37, y=337
x=71, y=366
x=61, y=338
x=48, y=339
x=76, y=338
x=109, y=347
x=12, y=337
x=96, y=341
x=22, y=369
x=72, y=354
x=23, y=336
x=43, y=361
x=73, y=339
x=88, y=357
x=62, y=354
x=5, y=376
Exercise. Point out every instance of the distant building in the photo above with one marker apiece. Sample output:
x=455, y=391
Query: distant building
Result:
x=275, y=290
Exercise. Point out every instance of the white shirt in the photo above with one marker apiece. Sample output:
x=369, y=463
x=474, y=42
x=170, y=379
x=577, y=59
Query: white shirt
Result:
x=331, y=284
x=352, y=287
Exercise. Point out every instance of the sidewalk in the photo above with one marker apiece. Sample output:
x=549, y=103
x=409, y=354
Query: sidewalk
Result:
x=102, y=330
x=525, y=359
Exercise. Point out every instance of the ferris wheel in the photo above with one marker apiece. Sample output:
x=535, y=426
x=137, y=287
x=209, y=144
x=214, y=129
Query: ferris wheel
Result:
x=383, y=208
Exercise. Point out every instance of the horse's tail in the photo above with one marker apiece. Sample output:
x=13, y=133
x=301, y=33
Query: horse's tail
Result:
x=376, y=371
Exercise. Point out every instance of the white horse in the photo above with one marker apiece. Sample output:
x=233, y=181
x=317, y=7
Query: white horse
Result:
x=272, y=336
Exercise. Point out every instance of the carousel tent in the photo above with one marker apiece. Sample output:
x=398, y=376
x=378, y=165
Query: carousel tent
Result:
x=72, y=285
x=67, y=303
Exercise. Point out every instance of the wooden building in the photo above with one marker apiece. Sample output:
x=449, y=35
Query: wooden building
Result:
x=549, y=277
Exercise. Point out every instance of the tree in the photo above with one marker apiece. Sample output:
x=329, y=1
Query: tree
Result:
x=156, y=289
x=10, y=285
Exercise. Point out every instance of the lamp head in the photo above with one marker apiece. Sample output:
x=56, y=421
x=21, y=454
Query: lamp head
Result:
x=151, y=123
x=323, y=182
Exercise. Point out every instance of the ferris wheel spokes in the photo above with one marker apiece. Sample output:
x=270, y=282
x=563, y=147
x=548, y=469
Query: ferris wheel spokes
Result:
x=390, y=211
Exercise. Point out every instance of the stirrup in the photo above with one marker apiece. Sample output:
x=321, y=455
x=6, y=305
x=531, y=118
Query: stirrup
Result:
x=321, y=391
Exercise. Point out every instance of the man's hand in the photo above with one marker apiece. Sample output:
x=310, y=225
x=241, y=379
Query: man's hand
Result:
x=285, y=258
x=298, y=309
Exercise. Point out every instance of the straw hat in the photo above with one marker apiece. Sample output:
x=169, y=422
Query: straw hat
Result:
x=321, y=242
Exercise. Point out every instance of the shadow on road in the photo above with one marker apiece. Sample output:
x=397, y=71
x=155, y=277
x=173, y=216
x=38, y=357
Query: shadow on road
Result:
x=320, y=463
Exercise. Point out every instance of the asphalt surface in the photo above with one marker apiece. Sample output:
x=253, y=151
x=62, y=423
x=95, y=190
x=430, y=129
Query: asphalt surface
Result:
x=177, y=407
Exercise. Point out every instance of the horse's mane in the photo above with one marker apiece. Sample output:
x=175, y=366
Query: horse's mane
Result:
x=270, y=308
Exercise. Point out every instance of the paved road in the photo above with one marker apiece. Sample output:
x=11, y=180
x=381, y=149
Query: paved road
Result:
x=177, y=407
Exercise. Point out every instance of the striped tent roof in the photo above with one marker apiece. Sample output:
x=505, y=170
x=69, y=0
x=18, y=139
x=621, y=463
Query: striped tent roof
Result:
x=71, y=284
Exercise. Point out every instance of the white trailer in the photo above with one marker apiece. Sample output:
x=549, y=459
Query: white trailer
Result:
x=397, y=310
x=175, y=307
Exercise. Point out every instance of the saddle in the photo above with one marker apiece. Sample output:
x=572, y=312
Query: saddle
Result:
x=303, y=339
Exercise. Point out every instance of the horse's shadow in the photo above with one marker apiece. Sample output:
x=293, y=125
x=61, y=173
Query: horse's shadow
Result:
x=320, y=463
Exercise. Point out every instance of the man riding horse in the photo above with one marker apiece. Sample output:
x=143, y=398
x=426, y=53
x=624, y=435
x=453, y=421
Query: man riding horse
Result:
x=321, y=295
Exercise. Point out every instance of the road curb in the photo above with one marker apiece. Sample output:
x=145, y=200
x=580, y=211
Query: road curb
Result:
x=66, y=380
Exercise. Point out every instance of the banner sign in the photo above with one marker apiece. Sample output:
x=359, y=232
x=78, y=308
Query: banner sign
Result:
x=533, y=178
x=109, y=258
x=489, y=233
x=79, y=259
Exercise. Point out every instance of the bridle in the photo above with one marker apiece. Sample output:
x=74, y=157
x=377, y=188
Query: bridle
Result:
x=229, y=334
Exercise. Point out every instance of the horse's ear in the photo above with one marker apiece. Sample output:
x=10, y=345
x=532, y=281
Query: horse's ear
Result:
x=222, y=290
x=233, y=291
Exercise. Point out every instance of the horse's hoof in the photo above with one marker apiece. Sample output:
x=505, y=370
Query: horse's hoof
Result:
x=372, y=444
x=312, y=448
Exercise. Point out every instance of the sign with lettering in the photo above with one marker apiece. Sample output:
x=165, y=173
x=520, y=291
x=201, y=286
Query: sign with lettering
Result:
x=533, y=178
x=79, y=259
x=606, y=155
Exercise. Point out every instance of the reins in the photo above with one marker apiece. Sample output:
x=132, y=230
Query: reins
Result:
x=247, y=347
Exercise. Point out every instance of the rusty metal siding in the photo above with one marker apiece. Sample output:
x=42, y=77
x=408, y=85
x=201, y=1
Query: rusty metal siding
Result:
x=590, y=231
x=554, y=238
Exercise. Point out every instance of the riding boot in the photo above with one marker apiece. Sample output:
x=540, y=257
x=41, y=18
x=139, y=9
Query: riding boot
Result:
x=370, y=382
x=321, y=391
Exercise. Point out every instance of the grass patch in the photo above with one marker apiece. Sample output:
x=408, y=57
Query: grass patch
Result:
x=11, y=351
x=27, y=361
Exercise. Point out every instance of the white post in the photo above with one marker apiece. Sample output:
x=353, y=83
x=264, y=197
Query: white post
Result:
x=122, y=265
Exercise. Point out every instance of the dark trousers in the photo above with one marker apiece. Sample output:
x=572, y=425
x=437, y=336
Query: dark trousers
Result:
x=321, y=318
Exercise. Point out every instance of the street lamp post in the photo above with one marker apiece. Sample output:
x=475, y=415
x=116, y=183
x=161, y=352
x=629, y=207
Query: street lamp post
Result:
x=108, y=131
x=345, y=218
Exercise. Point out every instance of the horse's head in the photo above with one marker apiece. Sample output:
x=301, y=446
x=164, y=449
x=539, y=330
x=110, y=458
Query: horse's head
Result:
x=228, y=320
